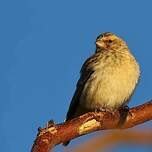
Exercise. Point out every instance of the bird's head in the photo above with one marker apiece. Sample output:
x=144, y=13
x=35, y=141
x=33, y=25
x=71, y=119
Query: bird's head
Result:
x=109, y=41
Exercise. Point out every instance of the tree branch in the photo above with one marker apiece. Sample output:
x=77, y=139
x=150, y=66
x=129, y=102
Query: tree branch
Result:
x=53, y=134
x=108, y=141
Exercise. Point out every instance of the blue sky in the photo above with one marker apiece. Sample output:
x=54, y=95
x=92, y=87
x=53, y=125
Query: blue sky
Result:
x=43, y=45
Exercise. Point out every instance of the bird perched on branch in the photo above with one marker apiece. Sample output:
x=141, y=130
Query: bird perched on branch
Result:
x=107, y=78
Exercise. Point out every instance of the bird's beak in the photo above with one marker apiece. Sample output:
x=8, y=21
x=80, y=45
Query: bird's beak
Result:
x=100, y=44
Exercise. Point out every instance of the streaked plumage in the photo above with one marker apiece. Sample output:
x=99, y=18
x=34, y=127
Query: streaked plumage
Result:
x=108, y=78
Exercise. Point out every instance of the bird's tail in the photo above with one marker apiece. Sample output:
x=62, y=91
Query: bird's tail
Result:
x=66, y=143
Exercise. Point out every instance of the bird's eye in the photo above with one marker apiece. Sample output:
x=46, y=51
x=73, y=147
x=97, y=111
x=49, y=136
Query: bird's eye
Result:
x=110, y=41
x=101, y=36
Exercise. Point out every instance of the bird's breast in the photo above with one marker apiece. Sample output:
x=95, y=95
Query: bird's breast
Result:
x=111, y=84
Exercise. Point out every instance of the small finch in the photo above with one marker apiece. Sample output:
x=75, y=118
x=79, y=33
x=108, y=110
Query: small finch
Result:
x=107, y=78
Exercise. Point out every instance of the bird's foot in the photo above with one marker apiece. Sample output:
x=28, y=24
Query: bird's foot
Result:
x=124, y=112
x=125, y=109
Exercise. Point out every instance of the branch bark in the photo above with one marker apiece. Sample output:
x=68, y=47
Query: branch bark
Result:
x=55, y=134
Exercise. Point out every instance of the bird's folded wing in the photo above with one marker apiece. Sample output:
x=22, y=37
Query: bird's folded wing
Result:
x=86, y=72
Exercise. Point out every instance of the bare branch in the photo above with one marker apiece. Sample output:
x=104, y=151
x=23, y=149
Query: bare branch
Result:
x=110, y=140
x=53, y=134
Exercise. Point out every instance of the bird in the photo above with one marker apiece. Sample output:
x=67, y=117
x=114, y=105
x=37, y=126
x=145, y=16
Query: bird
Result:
x=107, y=80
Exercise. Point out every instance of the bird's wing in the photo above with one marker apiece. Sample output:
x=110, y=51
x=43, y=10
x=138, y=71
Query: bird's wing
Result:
x=85, y=73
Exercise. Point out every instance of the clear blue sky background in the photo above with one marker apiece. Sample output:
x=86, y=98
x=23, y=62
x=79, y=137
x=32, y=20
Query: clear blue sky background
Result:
x=42, y=47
